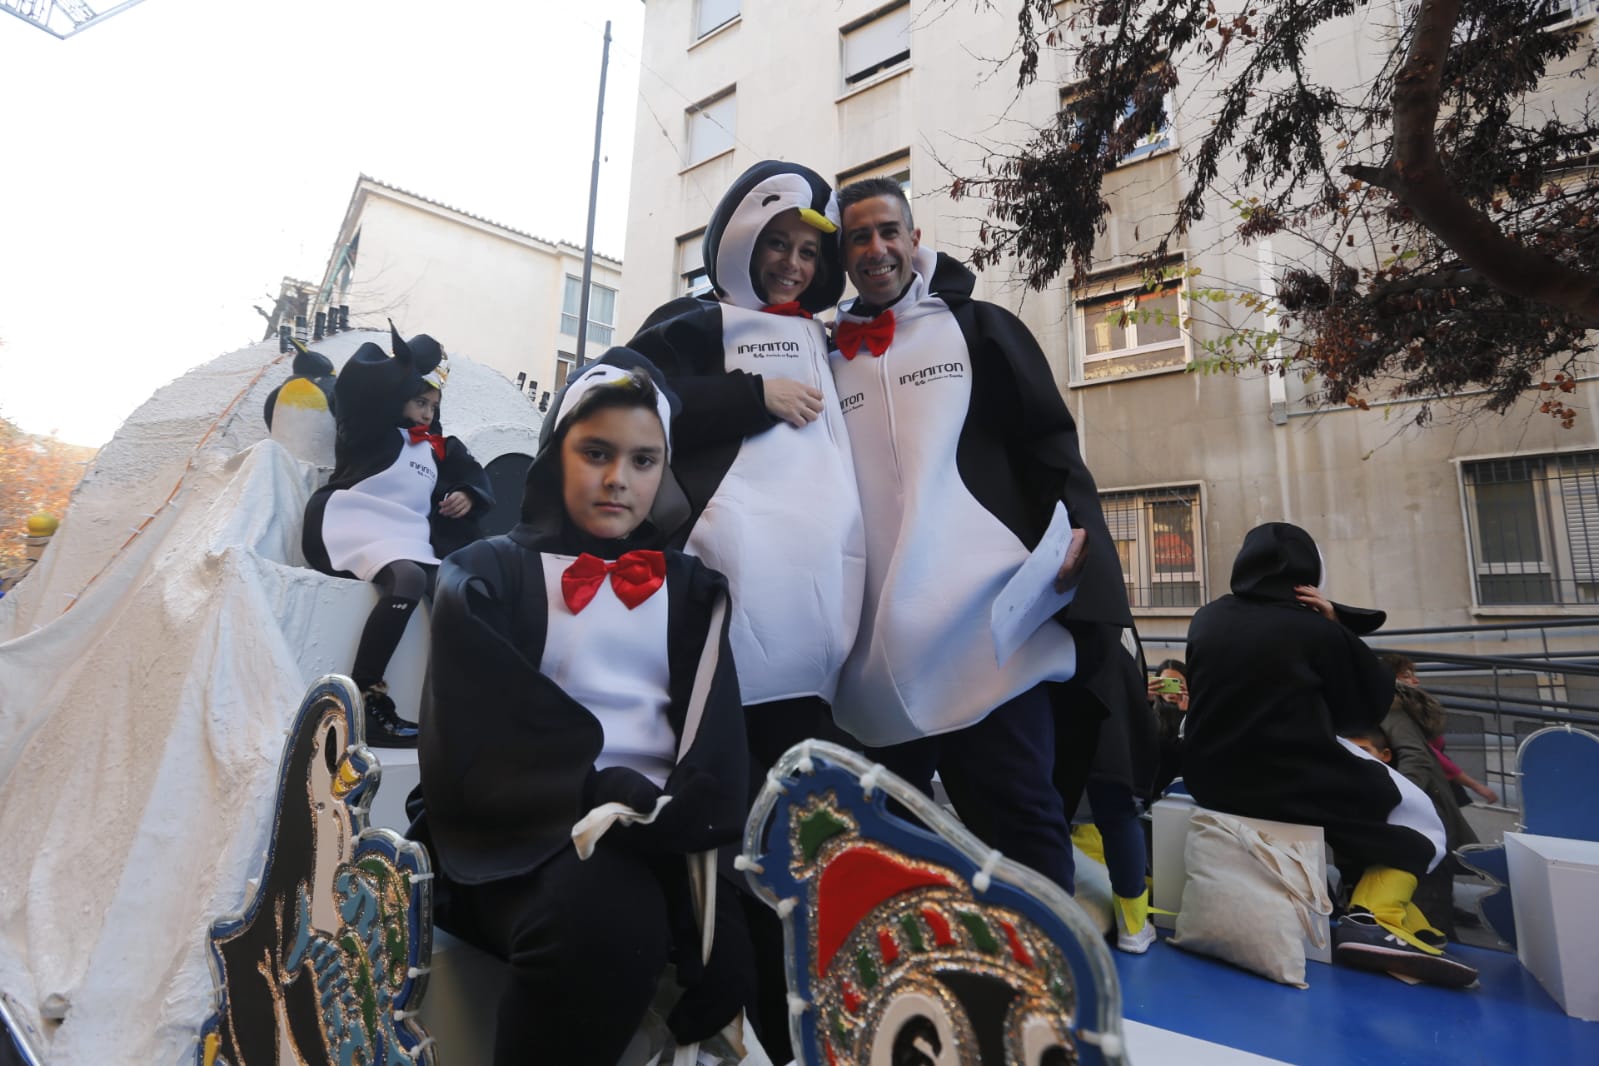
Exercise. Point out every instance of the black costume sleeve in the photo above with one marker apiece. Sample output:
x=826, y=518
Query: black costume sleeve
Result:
x=1359, y=688
x=1019, y=403
x=459, y=472
x=720, y=406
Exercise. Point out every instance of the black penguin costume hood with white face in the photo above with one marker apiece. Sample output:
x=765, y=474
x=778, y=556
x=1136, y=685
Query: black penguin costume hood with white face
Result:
x=543, y=505
x=761, y=193
x=1276, y=558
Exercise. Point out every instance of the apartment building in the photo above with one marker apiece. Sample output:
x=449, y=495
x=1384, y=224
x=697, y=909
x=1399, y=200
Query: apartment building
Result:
x=497, y=295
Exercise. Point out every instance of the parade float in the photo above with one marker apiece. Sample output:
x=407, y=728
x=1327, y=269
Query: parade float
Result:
x=202, y=864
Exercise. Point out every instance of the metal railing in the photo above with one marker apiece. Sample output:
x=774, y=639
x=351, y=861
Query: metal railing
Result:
x=1547, y=673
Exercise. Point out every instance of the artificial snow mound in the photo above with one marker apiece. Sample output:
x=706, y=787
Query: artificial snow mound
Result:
x=146, y=683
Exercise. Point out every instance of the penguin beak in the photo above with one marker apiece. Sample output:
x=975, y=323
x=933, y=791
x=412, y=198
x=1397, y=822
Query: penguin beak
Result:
x=345, y=780
x=816, y=220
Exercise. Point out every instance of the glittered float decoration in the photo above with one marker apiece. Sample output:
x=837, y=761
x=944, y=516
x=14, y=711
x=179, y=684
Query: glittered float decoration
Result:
x=915, y=943
x=329, y=961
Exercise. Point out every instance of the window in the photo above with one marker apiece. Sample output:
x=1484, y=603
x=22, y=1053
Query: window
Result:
x=877, y=43
x=710, y=127
x=691, y=276
x=712, y=15
x=565, y=363
x=1155, y=140
x=1568, y=12
x=1127, y=324
x=602, y=310
x=896, y=166
x=1534, y=529
x=1157, y=536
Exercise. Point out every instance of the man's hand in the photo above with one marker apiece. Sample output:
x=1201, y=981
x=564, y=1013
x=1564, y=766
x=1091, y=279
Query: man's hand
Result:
x=793, y=402
x=1310, y=597
x=455, y=505
x=1071, y=567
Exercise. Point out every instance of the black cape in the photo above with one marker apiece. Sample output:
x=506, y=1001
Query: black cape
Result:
x=507, y=757
x=1273, y=684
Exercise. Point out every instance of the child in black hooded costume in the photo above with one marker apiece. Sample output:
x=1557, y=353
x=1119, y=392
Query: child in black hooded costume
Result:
x=1276, y=674
x=402, y=496
x=582, y=735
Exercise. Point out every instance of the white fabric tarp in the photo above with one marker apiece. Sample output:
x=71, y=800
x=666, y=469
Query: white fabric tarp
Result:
x=140, y=730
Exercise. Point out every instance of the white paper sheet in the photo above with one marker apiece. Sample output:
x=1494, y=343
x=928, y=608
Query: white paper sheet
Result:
x=1029, y=597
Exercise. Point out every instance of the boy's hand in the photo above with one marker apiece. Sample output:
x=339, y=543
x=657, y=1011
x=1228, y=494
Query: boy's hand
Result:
x=1310, y=597
x=455, y=505
x=1071, y=567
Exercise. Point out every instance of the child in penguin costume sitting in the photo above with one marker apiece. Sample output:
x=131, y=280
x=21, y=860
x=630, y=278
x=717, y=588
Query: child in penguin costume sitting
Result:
x=765, y=461
x=402, y=496
x=582, y=737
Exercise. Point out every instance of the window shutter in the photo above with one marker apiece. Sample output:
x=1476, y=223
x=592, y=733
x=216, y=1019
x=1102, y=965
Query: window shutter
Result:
x=713, y=13
x=710, y=128
x=872, y=45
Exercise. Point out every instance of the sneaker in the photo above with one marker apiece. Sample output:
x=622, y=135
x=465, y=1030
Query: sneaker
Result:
x=1134, y=931
x=1135, y=943
x=1359, y=941
x=384, y=726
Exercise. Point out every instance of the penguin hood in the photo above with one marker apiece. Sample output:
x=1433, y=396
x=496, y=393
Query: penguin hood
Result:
x=761, y=193
x=1277, y=557
x=372, y=377
x=543, y=505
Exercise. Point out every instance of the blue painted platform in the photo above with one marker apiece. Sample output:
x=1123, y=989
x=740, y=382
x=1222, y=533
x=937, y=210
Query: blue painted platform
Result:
x=1351, y=1018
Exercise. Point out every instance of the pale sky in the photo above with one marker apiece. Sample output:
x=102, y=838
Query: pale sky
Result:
x=165, y=169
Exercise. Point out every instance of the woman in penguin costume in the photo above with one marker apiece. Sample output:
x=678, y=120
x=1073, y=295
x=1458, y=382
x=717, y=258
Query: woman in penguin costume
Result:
x=761, y=449
x=582, y=736
x=765, y=461
x=402, y=496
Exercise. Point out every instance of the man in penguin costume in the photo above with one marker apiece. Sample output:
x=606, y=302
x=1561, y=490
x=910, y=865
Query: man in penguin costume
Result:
x=1278, y=673
x=963, y=447
x=761, y=450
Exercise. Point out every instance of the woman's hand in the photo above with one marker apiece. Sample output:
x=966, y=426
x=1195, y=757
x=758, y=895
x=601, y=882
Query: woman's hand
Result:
x=793, y=402
x=455, y=504
x=1310, y=597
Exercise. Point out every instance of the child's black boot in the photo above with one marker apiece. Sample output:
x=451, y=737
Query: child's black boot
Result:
x=384, y=726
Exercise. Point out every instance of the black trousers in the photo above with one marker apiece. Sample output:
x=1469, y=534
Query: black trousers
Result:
x=587, y=942
x=999, y=775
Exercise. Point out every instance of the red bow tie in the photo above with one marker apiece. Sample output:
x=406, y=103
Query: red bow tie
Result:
x=634, y=578
x=791, y=308
x=877, y=334
x=420, y=434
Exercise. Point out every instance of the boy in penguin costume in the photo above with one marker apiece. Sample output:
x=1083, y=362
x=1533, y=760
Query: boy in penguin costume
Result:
x=963, y=447
x=1277, y=673
x=582, y=735
x=402, y=496
x=761, y=448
